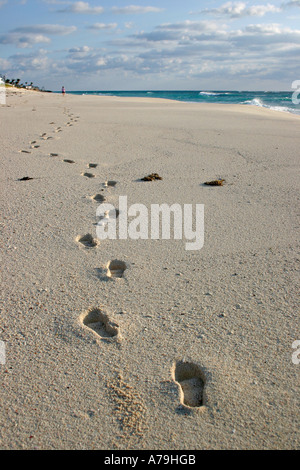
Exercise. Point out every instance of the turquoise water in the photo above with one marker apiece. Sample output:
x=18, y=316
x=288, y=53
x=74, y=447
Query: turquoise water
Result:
x=279, y=101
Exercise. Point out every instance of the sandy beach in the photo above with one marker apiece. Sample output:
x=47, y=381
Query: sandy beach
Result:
x=167, y=348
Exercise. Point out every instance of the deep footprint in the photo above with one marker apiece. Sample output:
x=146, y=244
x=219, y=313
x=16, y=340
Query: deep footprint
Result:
x=116, y=268
x=111, y=184
x=87, y=240
x=191, y=380
x=99, y=323
x=98, y=198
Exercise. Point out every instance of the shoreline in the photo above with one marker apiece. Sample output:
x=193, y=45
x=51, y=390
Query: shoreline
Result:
x=96, y=354
x=138, y=99
x=147, y=94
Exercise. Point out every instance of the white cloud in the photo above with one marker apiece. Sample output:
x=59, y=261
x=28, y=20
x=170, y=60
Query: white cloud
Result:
x=31, y=62
x=28, y=36
x=80, y=50
x=23, y=40
x=292, y=3
x=4, y=64
x=103, y=26
x=136, y=9
x=82, y=8
x=199, y=26
x=240, y=9
x=56, y=2
x=54, y=29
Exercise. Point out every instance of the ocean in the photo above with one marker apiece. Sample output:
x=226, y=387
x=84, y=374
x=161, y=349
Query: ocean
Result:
x=278, y=101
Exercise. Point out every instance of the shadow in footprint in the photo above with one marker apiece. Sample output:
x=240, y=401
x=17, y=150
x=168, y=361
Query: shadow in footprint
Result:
x=109, y=184
x=98, y=198
x=87, y=241
x=114, y=213
x=88, y=175
x=92, y=165
x=116, y=268
x=100, y=324
x=191, y=381
x=68, y=161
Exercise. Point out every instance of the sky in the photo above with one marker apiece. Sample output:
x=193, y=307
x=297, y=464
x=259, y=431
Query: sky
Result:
x=151, y=45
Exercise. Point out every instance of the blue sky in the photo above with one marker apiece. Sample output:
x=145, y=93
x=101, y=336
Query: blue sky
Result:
x=151, y=45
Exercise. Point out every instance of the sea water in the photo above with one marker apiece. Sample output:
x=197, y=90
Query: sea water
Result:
x=278, y=101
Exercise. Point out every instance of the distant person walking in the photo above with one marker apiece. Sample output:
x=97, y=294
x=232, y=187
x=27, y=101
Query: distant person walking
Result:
x=63, y=91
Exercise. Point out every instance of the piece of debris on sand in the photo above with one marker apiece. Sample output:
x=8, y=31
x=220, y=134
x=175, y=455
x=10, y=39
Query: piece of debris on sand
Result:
x=25, y=178
x=152, y=177
x=215, y=182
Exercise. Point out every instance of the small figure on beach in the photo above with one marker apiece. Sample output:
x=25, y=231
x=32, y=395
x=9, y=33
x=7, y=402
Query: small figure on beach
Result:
x=63, y=91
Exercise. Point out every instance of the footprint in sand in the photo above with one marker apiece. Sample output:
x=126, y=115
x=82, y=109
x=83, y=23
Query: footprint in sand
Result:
x=115, y=268
x=103, y=218
x=113, y=214
x=53, y=154
x=110, y=184
x=88, y=175
x=68, y=161
x=100, y=324
x=191, y=381
x=24, y=151
x=98, y=198
x=87, y=241
x=92, y=165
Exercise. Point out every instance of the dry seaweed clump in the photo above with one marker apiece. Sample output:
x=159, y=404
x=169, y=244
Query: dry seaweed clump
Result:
x=25, y=178
x=219, y=182
x=152, y=177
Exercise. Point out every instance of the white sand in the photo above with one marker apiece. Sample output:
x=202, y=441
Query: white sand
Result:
x=229, y=310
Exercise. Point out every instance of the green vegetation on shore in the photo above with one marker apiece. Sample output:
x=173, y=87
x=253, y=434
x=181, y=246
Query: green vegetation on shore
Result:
x=28, y=86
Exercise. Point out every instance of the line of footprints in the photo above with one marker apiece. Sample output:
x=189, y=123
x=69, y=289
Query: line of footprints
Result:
x=189, y=377
x=36, y=144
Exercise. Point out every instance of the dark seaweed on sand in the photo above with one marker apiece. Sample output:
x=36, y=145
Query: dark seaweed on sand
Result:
x=215, y=182
x=152, y=177
x=25, y=178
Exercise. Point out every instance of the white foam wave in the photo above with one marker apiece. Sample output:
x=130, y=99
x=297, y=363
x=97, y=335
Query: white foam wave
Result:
x=261, y=104
x=209, y=93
